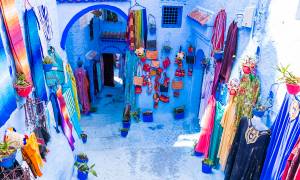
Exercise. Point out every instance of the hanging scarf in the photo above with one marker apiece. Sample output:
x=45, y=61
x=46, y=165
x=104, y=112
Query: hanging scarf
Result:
x=130, y=69
x=56, y=112
x=15, y=37
x=8, y=100
x=217, y=39
x=229, y=52
x=65, y=123
x=130, y=31
x=46, y=23
x=35, y=54
x=145, y=26
x=83, y=89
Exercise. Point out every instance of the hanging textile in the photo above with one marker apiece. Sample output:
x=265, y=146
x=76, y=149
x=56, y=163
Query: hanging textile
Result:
x=206, y=130
x=65, y=119
x=45, y=21
x=56, y=76
x=138, y=29
x=205, y=94
x=56, y=113
x=229, y=125
x=292, y=167
x=83, y=89
x=7, y=95
x=72, y=84
x=247, y=152
x=130, y=31
x=130, y=69
x=285, y=133
x=219, y=28
x=216, y=136
x=247, y=95
x=145, y=26
x=35, y=54
x=15, y=37
x=229, y=52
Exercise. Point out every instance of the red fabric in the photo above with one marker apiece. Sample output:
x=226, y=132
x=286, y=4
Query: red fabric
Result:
x=206, y=131
x=216, y=77
x=217, y=39
x=130, y=31
x=229, y=52
x=82, y=83
x=291, y=170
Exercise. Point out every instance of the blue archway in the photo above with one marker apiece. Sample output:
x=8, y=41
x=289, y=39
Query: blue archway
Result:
x=83, y=12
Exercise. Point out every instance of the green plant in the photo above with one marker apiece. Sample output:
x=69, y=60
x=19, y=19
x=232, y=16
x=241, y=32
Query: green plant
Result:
x=124, y=129
x=167, y=48
x=207, y=161
x=83, y=167
x=287, y=76
x=21, y=80
x=136, y=114
x=82, y=156
x=47, y=60
x=6, y=149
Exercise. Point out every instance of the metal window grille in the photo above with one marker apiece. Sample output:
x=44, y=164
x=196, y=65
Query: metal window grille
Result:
x=171, y=16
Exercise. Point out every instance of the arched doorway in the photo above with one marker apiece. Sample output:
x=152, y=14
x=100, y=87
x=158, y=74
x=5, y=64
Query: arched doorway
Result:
x=83, y=12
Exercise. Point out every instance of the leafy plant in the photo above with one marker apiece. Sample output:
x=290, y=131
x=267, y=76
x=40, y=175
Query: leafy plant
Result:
x=6, y=149
x=21, y=80
x=47, y=60
x=136, y=114
x=167, y=48
x=124, y=129
x=287, y=76
x=207, y=161
x=82, y=156
x=83, y=167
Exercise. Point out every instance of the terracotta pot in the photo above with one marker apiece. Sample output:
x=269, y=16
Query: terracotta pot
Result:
x=293, y=88
x=23, y=91
x=247, y=69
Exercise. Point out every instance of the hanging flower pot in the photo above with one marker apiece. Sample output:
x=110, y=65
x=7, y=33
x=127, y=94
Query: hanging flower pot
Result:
x=23, y=91
x=82, y=158
x=247, y=69
x=82, y=175
x=83, y=137
x=47, y=64
x=207, y=166
x=258, y=113
x=9, y=160
x=218, y=55
x=293, y=88
x=47, y=67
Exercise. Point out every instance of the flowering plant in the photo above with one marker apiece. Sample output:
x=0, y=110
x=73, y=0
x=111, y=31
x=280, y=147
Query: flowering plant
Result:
x=249, y=61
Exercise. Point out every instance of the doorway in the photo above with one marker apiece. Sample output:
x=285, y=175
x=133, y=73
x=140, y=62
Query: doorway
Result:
x=109, y=63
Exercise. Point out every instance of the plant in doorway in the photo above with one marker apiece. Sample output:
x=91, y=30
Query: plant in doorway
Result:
x=207, y=166
x=136, y=114
x=83, y=170
x=82, y=158
x=22, y=86
x=7, y=155
x=47, y=64
x=291, y=81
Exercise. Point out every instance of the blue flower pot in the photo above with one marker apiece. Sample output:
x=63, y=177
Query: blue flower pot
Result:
x=147, y=117
x=8, y=162
x=258, y=113
x=81, y=160
x=198, y=153
x=179, y=115
x=126, y=125
x=218, y=56
x=82, y=175
x=47, y=67
x=84, y=138
x=124, y=133
x=206, y=168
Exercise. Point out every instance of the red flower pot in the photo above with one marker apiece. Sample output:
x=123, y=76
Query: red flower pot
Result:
x=246, y=69
x=232, y=92
x=293, y=88
x=23, y=91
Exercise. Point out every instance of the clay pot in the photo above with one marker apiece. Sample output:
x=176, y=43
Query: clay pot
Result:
x=23, y=91
x=293, y=88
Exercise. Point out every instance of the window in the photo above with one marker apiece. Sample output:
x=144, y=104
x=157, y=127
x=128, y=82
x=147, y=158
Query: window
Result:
x=171, y=16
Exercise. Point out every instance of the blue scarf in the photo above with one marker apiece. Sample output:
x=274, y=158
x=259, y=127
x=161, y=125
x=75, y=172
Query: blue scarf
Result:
x=35, y=54
x=8, y=100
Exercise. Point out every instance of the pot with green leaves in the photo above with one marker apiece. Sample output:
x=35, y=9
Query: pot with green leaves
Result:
x=82, y=158
x=47, y=64
x=124, y=132
x=83, y=136
x=207, y=166
x=292, y=82
x=22, y=86
x=83, y=170
x=7, y=155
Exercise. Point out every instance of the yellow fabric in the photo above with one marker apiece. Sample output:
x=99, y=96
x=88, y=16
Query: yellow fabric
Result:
x=74, y=89
x=229, y=125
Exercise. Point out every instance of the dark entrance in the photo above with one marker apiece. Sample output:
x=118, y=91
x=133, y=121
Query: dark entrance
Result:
x=108, y=60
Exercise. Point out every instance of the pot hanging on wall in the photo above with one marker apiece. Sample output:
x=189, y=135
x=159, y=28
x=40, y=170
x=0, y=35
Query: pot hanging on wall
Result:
x=293, y=88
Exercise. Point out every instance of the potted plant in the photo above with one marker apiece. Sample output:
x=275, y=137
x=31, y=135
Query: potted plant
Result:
x=124, y=132
x=207, y=166
x=248, y=64
x=83, y=170
x=179, y=112
x=291, y=81
x=7, y=155
x=233, y=86
x=259, y=110
x=167, y=49
x=47, y=64
x=83, y=136
x=82, y=158
x=136, y=114
x=148, y=116
x=218, y=55
x=23, y=88
x=126, y=123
